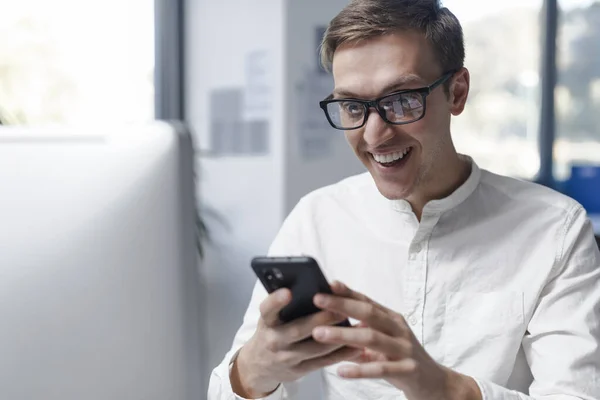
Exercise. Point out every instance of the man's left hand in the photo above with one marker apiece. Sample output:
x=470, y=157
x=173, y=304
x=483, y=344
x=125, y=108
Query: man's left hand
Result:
x=390, y=349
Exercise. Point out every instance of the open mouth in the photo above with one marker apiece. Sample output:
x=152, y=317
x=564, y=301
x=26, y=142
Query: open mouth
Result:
x=393, y=159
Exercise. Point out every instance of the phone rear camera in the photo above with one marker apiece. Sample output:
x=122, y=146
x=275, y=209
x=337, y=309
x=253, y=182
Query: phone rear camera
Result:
x=273, y=278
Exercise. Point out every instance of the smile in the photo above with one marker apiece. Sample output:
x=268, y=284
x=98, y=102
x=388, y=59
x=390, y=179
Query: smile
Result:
x=391, y=159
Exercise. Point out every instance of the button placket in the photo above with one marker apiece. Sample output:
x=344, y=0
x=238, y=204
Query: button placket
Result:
x=417, y=276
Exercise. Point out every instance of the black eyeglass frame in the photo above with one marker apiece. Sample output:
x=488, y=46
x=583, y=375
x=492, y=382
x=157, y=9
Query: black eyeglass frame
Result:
x=368, y=104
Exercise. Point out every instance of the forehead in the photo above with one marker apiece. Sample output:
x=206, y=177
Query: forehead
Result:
x=368, y=67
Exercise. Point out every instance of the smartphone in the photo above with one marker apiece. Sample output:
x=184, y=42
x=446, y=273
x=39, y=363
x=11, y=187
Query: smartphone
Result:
x=302, y=275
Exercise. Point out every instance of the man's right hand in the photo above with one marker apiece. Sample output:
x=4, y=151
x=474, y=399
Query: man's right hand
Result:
x=279, y=352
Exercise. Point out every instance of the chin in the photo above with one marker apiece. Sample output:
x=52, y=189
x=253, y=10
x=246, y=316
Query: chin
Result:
x=393, y=191
x=394, y=183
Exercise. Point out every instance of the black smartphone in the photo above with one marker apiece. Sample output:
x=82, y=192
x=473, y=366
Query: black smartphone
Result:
x=302, y=275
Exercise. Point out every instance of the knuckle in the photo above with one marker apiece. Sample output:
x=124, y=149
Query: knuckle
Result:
x=371, y=309
x=263, y=309
x=370, y=336
x=412, y=367
x=294, y=333
x=271, y=343
x=409, y=367
x=402, y=326
x=266, y=305
x=267, y=319
x=401, y=320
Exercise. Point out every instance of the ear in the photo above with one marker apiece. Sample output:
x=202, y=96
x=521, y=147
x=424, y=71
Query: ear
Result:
x=459, y=91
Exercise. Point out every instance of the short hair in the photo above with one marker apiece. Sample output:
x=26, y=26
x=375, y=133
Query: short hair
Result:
x=365, y=19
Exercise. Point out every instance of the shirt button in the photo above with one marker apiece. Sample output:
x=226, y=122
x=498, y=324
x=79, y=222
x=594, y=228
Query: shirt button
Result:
x=412, y=320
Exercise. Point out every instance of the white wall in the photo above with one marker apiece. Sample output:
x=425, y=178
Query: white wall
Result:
x=304, y=175
x=243, y=191
x=252, y=195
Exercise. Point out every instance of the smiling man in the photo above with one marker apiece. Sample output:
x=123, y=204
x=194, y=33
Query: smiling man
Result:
x=461, y=284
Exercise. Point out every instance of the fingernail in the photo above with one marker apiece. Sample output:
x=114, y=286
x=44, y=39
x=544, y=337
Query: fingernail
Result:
x=320, y=333
x=319, y=300
x=282, y=296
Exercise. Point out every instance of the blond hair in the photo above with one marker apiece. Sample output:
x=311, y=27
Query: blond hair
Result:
x=365, y=19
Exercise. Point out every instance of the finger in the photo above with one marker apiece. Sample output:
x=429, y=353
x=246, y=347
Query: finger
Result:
x=386, y=369
x=272, y=305
x=392, y=348
x=308, y=350
x=301, y=328
x=341, y=289
x=371, y=313
x=368, y=356
x=343, y=354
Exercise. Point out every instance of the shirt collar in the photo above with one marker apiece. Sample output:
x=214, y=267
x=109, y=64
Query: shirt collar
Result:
x=451, y=201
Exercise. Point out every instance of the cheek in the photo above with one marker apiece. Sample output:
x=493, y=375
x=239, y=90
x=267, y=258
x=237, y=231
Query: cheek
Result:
x=426, y=132
x=353, y=138
x=417, y=132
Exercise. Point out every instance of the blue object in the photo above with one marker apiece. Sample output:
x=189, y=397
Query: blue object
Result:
x=584, y=186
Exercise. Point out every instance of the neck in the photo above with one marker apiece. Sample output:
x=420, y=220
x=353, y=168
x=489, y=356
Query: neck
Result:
x=441, y=182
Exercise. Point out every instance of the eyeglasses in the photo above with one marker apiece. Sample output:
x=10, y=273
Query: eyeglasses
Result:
x=397, y=108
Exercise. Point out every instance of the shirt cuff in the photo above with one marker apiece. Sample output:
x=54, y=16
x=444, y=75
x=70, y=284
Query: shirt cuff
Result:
x=276, y=395
x=492, y=391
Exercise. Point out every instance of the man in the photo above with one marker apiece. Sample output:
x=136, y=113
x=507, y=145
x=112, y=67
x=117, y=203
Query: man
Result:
x=461, y=284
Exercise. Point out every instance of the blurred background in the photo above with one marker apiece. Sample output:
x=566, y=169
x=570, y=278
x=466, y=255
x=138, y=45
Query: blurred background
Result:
x=244, y=76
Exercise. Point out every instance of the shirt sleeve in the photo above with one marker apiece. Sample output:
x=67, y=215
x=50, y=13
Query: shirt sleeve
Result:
x=286, y=243
x=562, y=343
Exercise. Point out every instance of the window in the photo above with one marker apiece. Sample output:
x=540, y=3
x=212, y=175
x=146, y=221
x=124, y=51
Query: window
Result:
x=578, y=88
x=499, y=127
x=71, y=62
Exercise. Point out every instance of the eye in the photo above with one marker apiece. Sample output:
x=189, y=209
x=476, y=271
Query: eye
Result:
x=352, y=108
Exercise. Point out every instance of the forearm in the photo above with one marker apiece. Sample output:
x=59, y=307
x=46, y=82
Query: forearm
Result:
x=455, y=386
x=245, y=385
x=462, y=387
x=223, y=386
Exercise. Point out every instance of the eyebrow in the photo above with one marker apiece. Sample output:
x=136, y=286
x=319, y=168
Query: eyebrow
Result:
x=396, y=85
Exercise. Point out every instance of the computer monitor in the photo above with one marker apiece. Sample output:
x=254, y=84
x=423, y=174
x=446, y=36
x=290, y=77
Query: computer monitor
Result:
x=99, y=291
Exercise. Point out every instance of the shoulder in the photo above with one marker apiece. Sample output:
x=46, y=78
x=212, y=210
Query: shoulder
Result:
x=342, y=194
x=530, y=198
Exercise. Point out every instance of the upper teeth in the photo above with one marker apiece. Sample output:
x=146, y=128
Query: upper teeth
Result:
x=388, y=158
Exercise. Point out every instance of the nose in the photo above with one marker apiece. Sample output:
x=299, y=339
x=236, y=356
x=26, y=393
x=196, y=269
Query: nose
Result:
x=377, y=131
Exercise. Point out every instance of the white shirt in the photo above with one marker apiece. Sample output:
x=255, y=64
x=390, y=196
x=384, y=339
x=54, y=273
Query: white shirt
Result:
x=499, y=281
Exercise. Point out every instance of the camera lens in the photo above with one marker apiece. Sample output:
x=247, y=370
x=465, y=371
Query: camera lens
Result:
x=269, y=276
x=271, y=279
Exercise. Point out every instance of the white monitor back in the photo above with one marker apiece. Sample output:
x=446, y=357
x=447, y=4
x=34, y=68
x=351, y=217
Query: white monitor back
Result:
x=99, y=290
